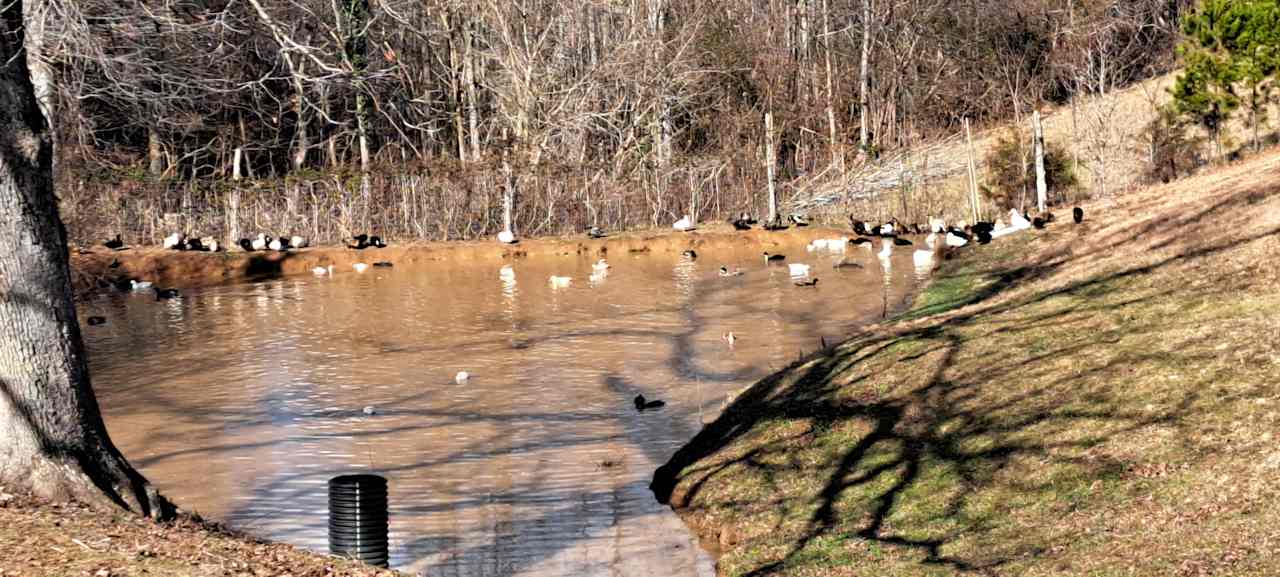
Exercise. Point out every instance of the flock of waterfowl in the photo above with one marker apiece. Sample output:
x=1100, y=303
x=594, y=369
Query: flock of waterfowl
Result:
x=260, y=243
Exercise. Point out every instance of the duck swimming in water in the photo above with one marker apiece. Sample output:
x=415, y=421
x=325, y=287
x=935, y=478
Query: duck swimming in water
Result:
x=642, y=404
x=724, y=271
x=768, y=258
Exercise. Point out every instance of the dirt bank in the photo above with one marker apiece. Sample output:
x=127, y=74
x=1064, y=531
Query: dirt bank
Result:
x=95, y=269
x=1096, y=399
x=60, y=540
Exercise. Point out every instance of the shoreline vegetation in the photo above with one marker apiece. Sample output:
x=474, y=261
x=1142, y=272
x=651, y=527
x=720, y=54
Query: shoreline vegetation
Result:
x=1089, y=399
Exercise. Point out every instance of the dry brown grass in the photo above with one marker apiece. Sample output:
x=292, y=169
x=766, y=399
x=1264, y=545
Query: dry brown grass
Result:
x=1086, y=400
x=51, y=539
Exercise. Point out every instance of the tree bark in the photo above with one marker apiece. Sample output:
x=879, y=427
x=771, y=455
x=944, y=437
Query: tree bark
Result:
x=864, y=98
x=1042, y=187
x=770, y=169
x=53, y=441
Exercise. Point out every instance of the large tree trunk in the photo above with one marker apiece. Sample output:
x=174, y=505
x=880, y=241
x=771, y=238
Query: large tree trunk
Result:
x=52, y=437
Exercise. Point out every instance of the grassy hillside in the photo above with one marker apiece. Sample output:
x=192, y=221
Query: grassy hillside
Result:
x=1097, y=399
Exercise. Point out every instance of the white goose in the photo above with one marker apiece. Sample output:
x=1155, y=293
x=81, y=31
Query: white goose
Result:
x=173, y=241
x=260, y=243
x=298, y=242
x=684, y=224
x=506, y=237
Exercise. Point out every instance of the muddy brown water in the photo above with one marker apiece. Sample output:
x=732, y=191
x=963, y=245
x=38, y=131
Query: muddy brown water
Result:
x=241, y=401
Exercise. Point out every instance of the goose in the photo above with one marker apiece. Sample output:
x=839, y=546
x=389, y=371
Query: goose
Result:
x=95, y=321
x=259, y=243
x=213, y=246
x=461, y=377
x=1018, y=221
x=886, y=248
x=768, y=258
x=980, y=227
x=163, y=293
x=194, y=244
x=642, y=404
x=506, y=237
x=369, y=410
x=684, y=224
x=139, y=286
x=360, y=267
x=811, y=282
x=956, y=239
x=858, y=226
x=798, y=269
x=246, y=245
x=690, y=254
x=174, y=241
x=730, y=338
x=899, y=241
x=115, y=243
x=383, y=264
x=600, y=265
x=1077, y=214
x=595, y=232
x=845, y=263
x=740, y=224
x=561, y=281
x=279, y=244
x=298, y=242
x=724, y=271
x=887, y=229
x=323, y=270
x=377, y=242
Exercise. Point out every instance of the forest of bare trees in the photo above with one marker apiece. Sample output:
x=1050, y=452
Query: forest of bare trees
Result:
x=323, y=117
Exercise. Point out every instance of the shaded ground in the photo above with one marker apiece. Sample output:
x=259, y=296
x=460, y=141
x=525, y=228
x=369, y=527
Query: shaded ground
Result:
x=38, y=538
x=1097, y=399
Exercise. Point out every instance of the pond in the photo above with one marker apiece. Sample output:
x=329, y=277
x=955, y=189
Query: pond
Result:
x=241, y=401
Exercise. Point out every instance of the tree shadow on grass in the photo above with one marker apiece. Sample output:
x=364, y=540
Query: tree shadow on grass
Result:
x=928, y=452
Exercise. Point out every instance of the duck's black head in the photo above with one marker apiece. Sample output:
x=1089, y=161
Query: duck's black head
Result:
x=639, y=402
x=246, y=245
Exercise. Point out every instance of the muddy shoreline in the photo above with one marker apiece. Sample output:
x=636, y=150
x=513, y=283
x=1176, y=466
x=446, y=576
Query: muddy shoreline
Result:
x=94, y=270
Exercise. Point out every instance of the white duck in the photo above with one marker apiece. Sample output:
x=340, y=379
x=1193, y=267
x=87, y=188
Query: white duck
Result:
x=276, y=245
x=954, y=241
x=139, y=286
x=173, y=241
x=506, y=237
x=684, y=224
x=461, y=377
x=260, y=243
x=298, y=242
